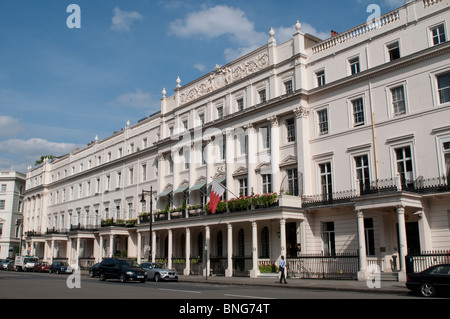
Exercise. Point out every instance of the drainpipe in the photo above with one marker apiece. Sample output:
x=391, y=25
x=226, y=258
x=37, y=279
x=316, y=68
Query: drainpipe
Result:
x=374, y=136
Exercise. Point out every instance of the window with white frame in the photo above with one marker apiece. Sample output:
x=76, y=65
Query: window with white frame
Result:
x=354, y=65
x=358, y=111
x=326, y=180
x=293, y=185
x=362, y=172
x=144, y=172
x=290, y=125
x=219, y=112
x=404, y=164
x=437, y=34
x=240, y=104
x=320, y=78
x=393, y=50
x=446, y=152
x=443, y=83
x=243, y=187
x=266, y=183
x=131, y=176
x=265, y=137
x=398, y=100
x=322, y=116
x=170, y=161
x=119, y=180
x=329, y=239
x=288, y=87
x=2, y=204
x=262, y=96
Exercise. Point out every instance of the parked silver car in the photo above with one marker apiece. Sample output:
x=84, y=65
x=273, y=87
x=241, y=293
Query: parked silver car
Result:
x=159, y=272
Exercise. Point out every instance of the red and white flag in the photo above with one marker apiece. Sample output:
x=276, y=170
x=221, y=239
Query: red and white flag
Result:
x=217, y=191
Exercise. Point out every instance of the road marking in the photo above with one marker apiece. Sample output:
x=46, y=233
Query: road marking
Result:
x=243, y=296
x=187, y=291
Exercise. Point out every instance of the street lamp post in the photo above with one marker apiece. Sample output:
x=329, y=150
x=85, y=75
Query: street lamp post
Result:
x=143, y=201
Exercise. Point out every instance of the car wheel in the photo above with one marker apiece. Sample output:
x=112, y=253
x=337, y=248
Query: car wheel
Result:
x=427, y=289
x=122, y=278
x=157, y=277
x=102, y=276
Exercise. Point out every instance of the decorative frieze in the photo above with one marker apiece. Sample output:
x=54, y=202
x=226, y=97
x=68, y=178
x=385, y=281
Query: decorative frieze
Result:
x=223, y=76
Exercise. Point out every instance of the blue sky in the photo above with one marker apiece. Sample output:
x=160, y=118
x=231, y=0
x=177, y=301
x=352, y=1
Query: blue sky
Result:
x=60, y=87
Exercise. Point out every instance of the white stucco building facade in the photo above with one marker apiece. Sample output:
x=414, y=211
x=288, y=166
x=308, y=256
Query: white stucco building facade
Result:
x=351, y=133
x=12, y=188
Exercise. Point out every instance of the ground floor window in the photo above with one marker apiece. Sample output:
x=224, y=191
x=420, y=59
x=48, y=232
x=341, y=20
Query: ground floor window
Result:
x=328, y=238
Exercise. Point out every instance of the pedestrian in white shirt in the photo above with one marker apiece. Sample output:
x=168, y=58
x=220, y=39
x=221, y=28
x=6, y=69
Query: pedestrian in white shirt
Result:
x=282, y=268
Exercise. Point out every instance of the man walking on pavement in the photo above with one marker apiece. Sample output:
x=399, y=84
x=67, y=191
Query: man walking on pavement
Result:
x=282, y=268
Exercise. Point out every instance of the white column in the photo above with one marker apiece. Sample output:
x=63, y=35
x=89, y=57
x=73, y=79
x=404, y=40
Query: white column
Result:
x=111, y=245
x=101, y=248
x=403, y=249
x=252, y=149
x=169, y=250
x=153, y=246
x=275, y=153
x=187, y=269
x=138, y=253
x=78, y=251
x=208, y=252
x=282, y=237
x=362, y=274
x=229, y=270
x=255, y=271
x=52, y=251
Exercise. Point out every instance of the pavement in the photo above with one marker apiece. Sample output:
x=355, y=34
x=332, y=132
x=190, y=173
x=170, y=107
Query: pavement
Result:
x=385, y=287
x=392, y=287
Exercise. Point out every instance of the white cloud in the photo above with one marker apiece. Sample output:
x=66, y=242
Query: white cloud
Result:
x=35, y=146
x=122, y=20
x=222, y=20
x=217, y=21
x=200, y=66
x=9, y=126
x=138, y=99
x=18, y=154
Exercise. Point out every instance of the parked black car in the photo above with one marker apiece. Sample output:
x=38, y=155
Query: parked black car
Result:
x=435, y=279
x=122, y=269
x=60, y=267
x=93, y=271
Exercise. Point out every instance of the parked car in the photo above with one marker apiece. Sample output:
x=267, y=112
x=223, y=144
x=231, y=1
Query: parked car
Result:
x=435, y=279
x=122, y=269
x=60, y=267
x=11, y=265
x=4, y=264
x=159, y=271
x=93, y=271
x=42, y=267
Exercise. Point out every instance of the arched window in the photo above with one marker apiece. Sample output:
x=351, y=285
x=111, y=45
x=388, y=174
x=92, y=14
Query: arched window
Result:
x=241, y=243
x=219, y=244
x=265, y=244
